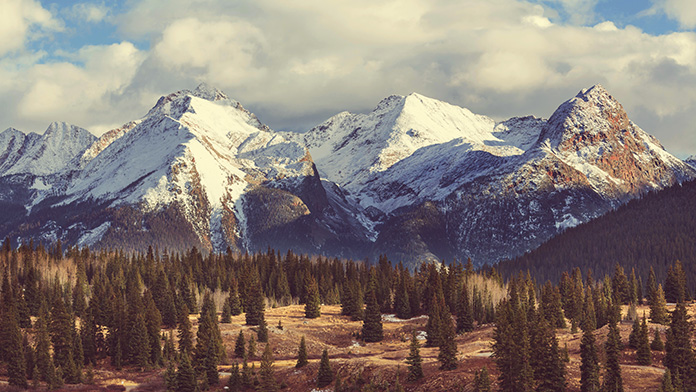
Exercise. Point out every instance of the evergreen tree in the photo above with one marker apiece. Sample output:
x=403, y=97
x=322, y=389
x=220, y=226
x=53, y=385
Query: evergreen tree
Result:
x=262, y=332
x=16, y=360
x=240, y=346
x=667, y=385
x=325, y=375
x=251, y=347
x=643, y=354
x=679, y=355
x=29, y=358
x=658, y=307
x=549, y=369
x=88, y=334
x=234, y=384
x=302, y=354
x=184, y=333
x=414, y=360
x=256, y=303
x=268, y=381
x=613, y=381
x=208, y=337
x=511, y=346
x=152, y=325
x=465, y=319
x=651, y=289
x=372, y=325
x=233, y=301
x=185, y=375
x=657, y=344
x=589, y=366
x=448, y=347
x=209, y=366
x=44, y=363
x=226, y=317
x=633, y=336
x=313, y=304
x=482, y=381
x=62, y=332
x=433, y=327
x=402, y=303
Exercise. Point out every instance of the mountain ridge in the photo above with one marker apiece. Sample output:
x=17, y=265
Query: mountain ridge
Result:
x=416, y=179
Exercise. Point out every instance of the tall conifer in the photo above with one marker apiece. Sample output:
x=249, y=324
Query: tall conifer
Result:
x=414, y=360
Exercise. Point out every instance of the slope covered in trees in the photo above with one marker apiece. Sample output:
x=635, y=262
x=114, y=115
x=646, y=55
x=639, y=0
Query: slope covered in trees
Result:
x=653, y=231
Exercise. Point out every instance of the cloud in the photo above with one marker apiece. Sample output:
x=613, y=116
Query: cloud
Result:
x=89, y=12
x=579, y=12
x=23, y=20
x=683, y=11
x=63, y=91
x=296, y=63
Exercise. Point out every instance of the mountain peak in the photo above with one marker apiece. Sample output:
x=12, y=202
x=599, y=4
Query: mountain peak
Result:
x=210, y=93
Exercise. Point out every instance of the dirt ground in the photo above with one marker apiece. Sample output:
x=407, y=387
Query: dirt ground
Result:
x=374, y=366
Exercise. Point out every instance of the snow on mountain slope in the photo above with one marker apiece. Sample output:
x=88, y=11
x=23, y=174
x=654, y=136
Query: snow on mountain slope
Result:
x=351, y=149
x=691, y=161
x=45, y=154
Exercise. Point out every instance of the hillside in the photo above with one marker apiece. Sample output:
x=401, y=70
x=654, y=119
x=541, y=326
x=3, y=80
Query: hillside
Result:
x=655, y=230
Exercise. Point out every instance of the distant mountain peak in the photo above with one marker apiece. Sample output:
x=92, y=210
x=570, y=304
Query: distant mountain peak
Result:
x=210, y=93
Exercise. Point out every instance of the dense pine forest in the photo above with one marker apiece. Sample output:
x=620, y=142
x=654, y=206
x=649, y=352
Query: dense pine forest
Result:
x=69, y=314
x=651, y=232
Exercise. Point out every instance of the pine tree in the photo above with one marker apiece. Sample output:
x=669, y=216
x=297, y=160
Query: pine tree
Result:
x=643, y=354
x=184, y=333
x=233, y=300
x=633, y=336
x=372, y=325
x=657, y=344
x=589, y=366
x=226, y=317
x=433, y=327
x=313, y=304
x=512, y=345
x=448, y=347
x=234, y=384
x=667, y=385
x=240, y=346
x=208, y=337
x=414, y=360
x=256, y=302
x=679, y=355
x=658, y=307
x=302, y=354
x=613, y=381
x=209, y=366
x=268, y=381
x=402, y=303
x=185, y=375
x=482, y=381
x=262, y=332
x=325, y=375
x=152, y=325
x=16, y=361
x=651, y=288
x=465, y=320
x=549, y=369
x=62, y=332
x=44, y=363
x=251, y=347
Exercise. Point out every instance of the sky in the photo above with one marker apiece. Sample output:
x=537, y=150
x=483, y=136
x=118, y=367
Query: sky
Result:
x=99, y=64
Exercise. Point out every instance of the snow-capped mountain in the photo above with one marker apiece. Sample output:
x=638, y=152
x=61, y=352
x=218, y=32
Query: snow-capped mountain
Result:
x=488, y=190
x=200, y=165
x=691, y=161
x=45, y=154
x=416, y=179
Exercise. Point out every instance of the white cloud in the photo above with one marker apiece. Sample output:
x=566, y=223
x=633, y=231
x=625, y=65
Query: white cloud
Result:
x=683, y=11
x=22, y=20
x=296, y=63
x=89, y=12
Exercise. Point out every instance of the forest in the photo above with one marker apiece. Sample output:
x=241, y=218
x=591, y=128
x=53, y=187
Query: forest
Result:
x=69, y=315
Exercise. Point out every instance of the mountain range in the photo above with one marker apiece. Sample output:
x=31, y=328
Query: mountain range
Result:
x=416, y=179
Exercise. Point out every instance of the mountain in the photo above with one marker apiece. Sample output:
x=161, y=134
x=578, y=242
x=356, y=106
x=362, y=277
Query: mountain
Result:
x=197, y=170
x=654, y=231
x=416, y=179
x=691, y=161
x=488, y=190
